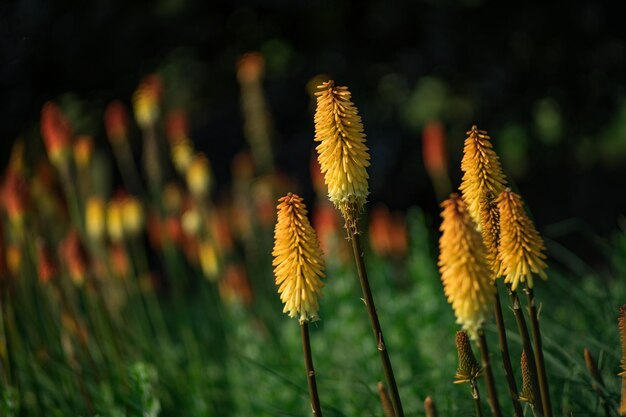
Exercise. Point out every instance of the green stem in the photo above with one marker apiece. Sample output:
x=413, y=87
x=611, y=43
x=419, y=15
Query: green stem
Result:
x=506, y=358
x=526, y=345
x=476, y=398
x=378, y=333
x=489, y=380
x=540, y=365
x=310, y=371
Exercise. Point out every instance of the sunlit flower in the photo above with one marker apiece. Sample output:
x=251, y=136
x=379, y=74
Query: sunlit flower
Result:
x=464, y=271
x=298, y=261
x=342, y=153
x=468, y=369
x=482, y=172
x=521, y=248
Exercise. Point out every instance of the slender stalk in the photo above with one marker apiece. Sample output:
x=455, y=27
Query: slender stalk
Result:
x=539, y=362
x=489, y=380
x=378, y=333
x=310, y=371
x=506, y=358
x=526, y=345
x=476, y=398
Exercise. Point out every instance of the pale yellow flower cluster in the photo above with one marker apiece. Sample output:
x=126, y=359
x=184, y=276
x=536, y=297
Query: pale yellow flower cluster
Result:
x=298, y=262
x=521, y=248
x=463, y=266
x=342, y=153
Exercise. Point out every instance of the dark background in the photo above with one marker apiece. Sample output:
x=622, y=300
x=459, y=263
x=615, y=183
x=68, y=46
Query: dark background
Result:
x=546, y=80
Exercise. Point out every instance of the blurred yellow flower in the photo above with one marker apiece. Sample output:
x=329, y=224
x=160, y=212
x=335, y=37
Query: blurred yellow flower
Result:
x=521, y=248
x=115, y=222
x=146, y=100
x=463, y=267
x=199, y=176
x=132, y=216
x=298, y=260
x=95, y=221
x=342, y=153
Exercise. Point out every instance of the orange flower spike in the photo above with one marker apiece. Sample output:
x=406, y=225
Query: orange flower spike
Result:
x=521, y=250
x=83, y=151
x=46, y=265
x=434, y=149
x=72, y=251
x=116, y=122
x=464, y=271
x=298, y=260
x=56, y=132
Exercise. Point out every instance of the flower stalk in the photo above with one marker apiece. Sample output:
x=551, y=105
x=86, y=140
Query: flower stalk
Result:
x=343, y=157
x=298, y=268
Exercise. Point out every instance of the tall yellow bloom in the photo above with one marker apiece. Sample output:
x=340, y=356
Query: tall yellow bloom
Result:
x=298, y=263
x=482, y=173
x=521, y=248
x=342, y=153
x=464, y=271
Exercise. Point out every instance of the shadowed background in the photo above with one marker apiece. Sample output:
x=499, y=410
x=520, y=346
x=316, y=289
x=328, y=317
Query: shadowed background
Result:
x=546, y=82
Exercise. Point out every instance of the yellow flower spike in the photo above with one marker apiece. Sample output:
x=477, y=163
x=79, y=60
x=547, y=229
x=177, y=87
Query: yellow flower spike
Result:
x=133, y=220
x=199, y=176
x=146, y=100
x=463, y=267
x=95, y=218
x=521, y=248
x=342, y=153
x=115, y=221
x=298, y=260
x=482, y=173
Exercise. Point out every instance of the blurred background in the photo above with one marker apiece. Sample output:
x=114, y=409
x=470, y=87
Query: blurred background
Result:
x=144, y=145
x=545, y=80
